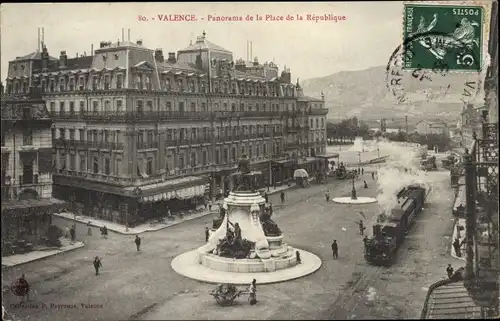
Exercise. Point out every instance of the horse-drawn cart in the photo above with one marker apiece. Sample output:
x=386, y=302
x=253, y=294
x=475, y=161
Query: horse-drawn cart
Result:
x=225, y=294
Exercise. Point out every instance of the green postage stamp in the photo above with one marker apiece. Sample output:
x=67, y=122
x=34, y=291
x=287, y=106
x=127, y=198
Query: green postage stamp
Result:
x=443, y=36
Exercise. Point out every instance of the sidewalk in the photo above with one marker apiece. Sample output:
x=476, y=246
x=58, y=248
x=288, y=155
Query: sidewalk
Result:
x=147, y=227
x=461, y=222
x=17, y=259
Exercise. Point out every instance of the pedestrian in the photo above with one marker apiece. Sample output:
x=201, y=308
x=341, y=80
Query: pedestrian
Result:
x=207, y=233
x=282, y=196
x=456, y=246
x=297, y=256
x=97, y=265
x=361, y=227
x=362, y=171
x=366, y=184
x=72, y=232
x=138, y=242
x=270, y=209
x=373, y=175
x=327, y=196
x=335, y=249
x=24, y=287
x=449, y=271
x=253, y=292
x=266, y=197
x=210, y=205
x=89, y=229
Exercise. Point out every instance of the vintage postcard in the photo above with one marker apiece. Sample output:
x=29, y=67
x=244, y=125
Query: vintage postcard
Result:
x=249, y=160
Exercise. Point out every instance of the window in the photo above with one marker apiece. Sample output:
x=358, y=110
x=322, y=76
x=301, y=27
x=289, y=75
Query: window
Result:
x=28, y=137
x=169, y=135
x=242, y=107
x=203, y=106
x=226, y=156
x=181, y=161
x=72, y=162
x=257, y=151
x=62, y=133
x=81, y=134
x=107, y=166
x=119, y=81
x=193, y=133
x=193, y=159
x=181, y=107
x=61, y=107
x=72, y=134
x=250, y=152
x=95, y=107
x=148, y=83
x=322, y=123
x=264, y=149
x=96, y=165
x=107, y=105
x=106, y=82
x=233, y=154
x=82, y=107
x=94, y=83
x=217, y=157
x=61, y=84
x=119, y=106
x=150, y=138
x=204, y=157
x=317, y=123
x=168, y=106
x=53, y=135
x=106, y=136
x=140, y=109
x=83, y=163
x=150, y=106
x=193, y=107
x=52, y=107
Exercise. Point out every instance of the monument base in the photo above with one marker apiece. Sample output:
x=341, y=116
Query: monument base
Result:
x=358, y=200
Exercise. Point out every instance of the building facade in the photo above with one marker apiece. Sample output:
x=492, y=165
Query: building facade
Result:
x=27, y=203
x=425, y=127
x=135, y=131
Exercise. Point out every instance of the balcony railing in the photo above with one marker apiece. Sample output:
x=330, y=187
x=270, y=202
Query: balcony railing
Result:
x=81, y=144
x=147, y=145
x=318, y=111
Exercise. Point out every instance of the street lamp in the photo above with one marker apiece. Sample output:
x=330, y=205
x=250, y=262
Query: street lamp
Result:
x=353, y=192
x=378, y=152
x=359, y=162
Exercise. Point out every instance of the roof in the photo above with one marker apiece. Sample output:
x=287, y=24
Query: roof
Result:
x=181, y=66
x=34, y=55
x=240, y=74
x=450, y=300
x=307, y=98
x=203, y=44
x=120, y=44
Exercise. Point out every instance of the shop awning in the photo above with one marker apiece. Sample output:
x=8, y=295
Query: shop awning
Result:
x=329, y=156
x=33, y=207
x=182, y=188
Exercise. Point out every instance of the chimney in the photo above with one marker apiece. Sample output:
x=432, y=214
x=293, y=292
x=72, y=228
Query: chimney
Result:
x=92, y=49
x=45, y=58
x=171, y=58
x=139, y=42
x=128, y=35
x=123, y=34
x=63, y=59
x=102, y=44
x=159, y=55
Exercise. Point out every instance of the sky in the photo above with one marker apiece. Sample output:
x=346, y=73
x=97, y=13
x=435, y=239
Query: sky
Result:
x=366, y=38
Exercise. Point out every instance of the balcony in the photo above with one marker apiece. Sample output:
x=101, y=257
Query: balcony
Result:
x=318, y=111
x=81, y=144
x=256, y=114
x=147, y=145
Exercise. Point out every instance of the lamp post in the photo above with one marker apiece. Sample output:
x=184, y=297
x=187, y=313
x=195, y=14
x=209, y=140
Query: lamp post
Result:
x=359, y=162
x=353, y=192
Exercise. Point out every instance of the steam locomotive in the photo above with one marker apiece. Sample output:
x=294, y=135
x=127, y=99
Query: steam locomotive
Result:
x=390, y=230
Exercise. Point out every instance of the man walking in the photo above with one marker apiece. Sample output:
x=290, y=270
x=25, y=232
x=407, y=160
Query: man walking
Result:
x=449, y=271
x=456, y=246
x=266, y=197
x=282, y=196
x=327, y=196
x=89, y=229
x=253, y=292
x=335, y=249
x=373, y=175
x=138, y=242
x=361, y=227
x=72, y=232
x=362, y=171
x=207, y=233
x=97, y=265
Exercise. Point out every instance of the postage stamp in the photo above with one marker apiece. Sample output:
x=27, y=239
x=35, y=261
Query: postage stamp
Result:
x=449, y=35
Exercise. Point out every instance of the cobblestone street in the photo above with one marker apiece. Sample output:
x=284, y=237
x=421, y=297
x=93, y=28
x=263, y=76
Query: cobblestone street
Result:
x=142, y=285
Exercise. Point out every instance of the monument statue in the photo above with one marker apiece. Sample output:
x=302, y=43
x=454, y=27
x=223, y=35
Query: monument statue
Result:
x=268, y=225
x=245, y=181
x=232, y=245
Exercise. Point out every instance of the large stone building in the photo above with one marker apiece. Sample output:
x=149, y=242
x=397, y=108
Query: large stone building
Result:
x=27, y=203
x=135, y=131
x=426, y=127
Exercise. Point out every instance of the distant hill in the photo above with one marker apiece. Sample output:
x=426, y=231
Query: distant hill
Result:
x=364, y=94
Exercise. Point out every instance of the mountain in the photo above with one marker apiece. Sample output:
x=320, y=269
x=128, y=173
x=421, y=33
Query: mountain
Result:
x=364, y=94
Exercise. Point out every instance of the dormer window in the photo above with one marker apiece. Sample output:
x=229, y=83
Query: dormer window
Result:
x=138, y=82
x=72, y=84
x=106, y=82
x=94, y=83
x=148, y=83
x=180, y=85
x=61, y=84
x=116, y=56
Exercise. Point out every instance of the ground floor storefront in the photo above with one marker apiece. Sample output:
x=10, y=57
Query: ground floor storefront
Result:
x=25, y=224
x=136, y=204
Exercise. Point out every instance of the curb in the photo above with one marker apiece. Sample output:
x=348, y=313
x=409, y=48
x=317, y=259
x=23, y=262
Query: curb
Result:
x=5, y=267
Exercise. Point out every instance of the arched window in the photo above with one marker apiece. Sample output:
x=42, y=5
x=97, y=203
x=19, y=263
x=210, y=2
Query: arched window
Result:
x=107, y=166
x=193, y=159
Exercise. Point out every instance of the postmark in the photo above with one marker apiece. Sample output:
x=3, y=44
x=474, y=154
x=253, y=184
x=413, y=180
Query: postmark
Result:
x=453, y=36
x=433, y=79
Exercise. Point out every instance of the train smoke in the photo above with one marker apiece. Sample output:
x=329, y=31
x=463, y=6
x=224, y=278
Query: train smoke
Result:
x=402, y=169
